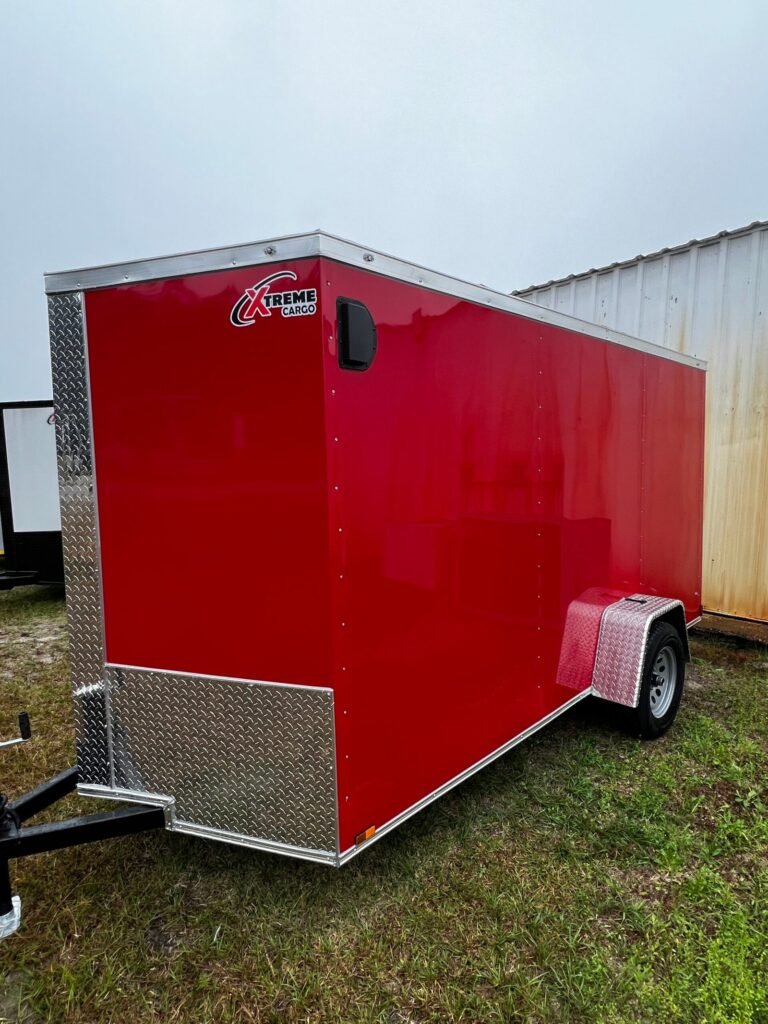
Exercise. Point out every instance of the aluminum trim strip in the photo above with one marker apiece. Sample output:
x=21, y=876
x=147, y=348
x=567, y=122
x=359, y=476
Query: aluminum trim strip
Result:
x=235, y=839
x=368, y=259
x=693, y=622
x=319, y=243
x=352, y=851
x=222, y=679
x=203, y=261
x=97, y=541
x=129, y=796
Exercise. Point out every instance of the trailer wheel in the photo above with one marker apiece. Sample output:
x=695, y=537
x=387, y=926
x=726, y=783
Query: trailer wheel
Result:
x=662, y=684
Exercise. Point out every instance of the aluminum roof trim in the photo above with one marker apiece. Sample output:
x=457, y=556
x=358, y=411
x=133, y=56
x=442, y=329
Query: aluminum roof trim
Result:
x=658, y=254
x=180, y=264
x=321, y=244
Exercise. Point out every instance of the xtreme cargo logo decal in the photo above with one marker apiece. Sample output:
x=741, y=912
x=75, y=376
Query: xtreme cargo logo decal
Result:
x=260, y=301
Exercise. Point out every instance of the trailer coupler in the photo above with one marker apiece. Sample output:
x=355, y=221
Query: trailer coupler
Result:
x=16, y=841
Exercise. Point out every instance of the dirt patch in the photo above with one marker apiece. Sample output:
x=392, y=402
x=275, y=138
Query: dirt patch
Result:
x=42, y=642
x=694, y=681
x=159, y=938
x=737, y=629
x=12, y=1009
x=650, y=886
x=739, y=869
x=31, y=632
x=721, y=793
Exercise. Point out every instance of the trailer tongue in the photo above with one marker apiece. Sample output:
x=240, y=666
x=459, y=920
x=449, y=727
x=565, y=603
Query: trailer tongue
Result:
x=447, y=516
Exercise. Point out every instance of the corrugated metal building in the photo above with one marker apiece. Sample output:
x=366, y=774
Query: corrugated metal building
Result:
x=708, y=298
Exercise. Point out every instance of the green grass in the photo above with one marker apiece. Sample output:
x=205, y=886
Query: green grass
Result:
x=583, y=877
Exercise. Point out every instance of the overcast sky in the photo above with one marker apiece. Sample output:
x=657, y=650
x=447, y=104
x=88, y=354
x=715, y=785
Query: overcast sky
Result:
x=504, y=141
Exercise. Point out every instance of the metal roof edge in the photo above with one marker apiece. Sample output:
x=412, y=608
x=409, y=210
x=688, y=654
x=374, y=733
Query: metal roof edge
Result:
x=322, y=244
x=196, y=261
x=694, y=242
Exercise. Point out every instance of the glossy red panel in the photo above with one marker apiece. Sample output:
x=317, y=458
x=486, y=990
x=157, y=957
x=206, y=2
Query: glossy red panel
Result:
x=210, y=469
x=590, y=452
x=673, y=483
x=487, y=478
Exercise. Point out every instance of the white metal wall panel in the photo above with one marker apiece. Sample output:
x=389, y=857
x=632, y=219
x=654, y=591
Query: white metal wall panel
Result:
x=626, y=311
x=710, y=300
x=584, y=298
x=30, y=442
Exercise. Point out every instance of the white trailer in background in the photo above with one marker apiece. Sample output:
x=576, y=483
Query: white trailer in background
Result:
x=29, y=495
x=707, y=298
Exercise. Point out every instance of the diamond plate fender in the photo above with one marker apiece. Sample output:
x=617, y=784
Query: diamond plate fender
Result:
x=621, y=644
x=578, y=647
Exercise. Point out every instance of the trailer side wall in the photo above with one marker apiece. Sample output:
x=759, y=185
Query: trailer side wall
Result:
x=707, y=299
x=487, y=470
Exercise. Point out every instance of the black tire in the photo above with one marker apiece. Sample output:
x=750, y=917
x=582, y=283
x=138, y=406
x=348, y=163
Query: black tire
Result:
x=661, y=687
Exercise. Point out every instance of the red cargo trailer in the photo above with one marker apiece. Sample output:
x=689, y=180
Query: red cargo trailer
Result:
x=440, y=515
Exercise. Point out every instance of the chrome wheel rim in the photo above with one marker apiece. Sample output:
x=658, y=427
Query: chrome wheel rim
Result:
x=663, y=681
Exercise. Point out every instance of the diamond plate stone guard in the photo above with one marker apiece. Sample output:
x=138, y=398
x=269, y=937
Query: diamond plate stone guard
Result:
x=79, y=534
x=621, y=646
x=247, y=758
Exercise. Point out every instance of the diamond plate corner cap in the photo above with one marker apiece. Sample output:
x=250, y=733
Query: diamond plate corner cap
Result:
x=78, y=531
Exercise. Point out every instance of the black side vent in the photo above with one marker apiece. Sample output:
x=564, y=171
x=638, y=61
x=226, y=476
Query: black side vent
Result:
x=357, y=335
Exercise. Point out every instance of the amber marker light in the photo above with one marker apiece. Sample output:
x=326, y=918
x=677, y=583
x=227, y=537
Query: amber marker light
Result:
x=361, y=837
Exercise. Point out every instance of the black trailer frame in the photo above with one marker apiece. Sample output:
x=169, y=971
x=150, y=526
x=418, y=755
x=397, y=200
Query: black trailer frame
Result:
x=16, y=840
